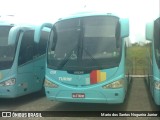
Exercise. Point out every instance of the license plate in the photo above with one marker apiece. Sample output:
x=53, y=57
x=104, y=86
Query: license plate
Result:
x=78, y=95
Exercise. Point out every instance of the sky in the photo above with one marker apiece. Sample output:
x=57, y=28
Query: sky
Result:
x=139, y=12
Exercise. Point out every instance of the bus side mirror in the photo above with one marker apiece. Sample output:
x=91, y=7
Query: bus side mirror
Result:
x=149, y=31
x=124, y=22
x=53, y=37
x=14, y=34
x=38, y=30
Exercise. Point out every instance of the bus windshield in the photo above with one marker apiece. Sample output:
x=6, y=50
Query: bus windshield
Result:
x=85, y=43
x=6, y=51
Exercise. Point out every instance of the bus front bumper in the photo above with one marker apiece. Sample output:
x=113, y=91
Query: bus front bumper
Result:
x=109, y=96
x=157, y=96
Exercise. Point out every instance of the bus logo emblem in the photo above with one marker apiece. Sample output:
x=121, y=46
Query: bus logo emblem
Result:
x=78, y=72
x=53, y=72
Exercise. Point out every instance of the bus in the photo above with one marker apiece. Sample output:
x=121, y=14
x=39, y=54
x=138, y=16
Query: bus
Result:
x=22, y=60
x=86, y=59
x=153, y=81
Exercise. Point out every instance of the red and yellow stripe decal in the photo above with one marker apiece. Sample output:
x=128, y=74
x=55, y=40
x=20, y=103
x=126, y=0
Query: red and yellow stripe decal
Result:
x=97, y=76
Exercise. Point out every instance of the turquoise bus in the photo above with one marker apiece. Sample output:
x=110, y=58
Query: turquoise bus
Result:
x=86, y=59
x=22, y=60
x=153, y=81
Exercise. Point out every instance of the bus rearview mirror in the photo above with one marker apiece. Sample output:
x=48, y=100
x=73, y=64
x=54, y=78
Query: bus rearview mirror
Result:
x=124, y=27
x=38, y=30
x=15, y=33
x=149, y=31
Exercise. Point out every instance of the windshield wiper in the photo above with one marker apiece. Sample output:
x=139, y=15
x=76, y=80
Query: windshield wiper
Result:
x=92, y=58
x=66, y=59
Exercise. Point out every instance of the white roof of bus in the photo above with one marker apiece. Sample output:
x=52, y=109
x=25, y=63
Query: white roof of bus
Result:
x=85, y=14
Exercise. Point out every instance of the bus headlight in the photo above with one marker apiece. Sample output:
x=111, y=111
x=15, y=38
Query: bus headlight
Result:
x=113, y=85
x=157, y=85
x=48, y=83
x=9, y=82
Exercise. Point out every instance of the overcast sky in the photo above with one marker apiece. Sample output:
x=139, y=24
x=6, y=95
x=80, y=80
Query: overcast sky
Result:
x=37, y=11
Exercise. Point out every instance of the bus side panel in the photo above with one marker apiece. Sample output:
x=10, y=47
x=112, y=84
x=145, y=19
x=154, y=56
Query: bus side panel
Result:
x=25, y=75
x=148, y=70
x=39, y=72
x=25, y=78
x=128, y=63
x=40, y=60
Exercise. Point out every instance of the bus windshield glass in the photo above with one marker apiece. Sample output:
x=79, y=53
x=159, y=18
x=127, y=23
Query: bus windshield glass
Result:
x=6, y=51
x=85, y=43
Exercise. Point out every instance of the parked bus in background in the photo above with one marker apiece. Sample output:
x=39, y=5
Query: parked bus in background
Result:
x=22, y=60
x=86, y=59
x=153, y=81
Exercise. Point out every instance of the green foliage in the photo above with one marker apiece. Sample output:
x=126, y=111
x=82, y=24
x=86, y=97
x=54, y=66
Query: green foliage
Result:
x=137, y=54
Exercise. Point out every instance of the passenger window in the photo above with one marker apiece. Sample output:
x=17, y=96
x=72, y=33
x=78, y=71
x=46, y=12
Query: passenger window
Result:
x=157, y=40
x=27, y=48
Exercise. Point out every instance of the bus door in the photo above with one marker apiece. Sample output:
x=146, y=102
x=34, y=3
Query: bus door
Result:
x=25, y=62
x=40, y=59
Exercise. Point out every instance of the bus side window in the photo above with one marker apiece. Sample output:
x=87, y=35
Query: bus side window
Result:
x=117, y=35
x=27, y=48
x=53, y=35
x=42, y=45
x=157, y=35
x=157, y=40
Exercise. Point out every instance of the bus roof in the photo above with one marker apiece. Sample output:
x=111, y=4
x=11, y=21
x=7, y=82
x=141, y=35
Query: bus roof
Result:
x=20, y=25
x=85, y=14
x=5, y=24
x=158, y=20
